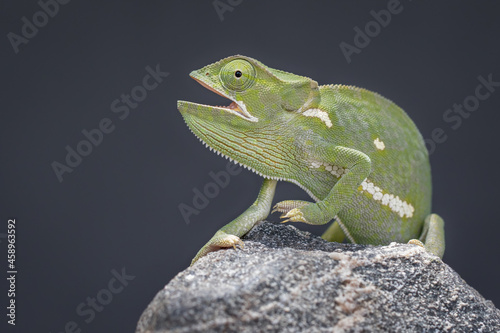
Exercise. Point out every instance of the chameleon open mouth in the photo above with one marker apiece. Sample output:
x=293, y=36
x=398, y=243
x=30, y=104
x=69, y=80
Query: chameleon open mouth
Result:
x=237, y=108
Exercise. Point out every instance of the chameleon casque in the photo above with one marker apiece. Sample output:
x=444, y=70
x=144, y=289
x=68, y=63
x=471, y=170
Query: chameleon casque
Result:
x=357, y=154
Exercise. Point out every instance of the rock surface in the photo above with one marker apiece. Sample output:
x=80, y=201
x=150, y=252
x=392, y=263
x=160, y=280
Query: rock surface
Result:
x=285, y=280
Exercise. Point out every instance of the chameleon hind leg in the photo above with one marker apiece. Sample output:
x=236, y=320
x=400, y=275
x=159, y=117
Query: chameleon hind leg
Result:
x=229, y=235
x=336, y=232
x=432, y=237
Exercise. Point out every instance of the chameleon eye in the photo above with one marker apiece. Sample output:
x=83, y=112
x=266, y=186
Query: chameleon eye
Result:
x=237, y=75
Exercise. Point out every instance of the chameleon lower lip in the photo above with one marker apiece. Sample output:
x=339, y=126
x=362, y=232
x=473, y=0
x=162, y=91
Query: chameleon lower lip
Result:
x=233, y=108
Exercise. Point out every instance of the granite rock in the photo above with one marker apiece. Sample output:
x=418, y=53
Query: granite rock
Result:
x=286, y=280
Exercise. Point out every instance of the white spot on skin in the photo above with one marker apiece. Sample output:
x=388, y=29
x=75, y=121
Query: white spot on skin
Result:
x=322, y=115
x=379, y=144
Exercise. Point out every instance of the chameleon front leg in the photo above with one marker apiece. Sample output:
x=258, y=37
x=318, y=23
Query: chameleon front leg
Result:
x=229, y=235
x=432, y=237
x=359, y=166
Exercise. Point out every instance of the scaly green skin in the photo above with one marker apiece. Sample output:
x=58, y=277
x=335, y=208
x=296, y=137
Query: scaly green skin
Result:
x=357, y=154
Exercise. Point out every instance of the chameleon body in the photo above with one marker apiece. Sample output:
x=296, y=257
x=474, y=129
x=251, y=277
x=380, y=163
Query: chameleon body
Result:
x=357, y=154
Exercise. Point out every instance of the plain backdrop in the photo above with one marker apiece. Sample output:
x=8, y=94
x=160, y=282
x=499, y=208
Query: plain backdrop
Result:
x=119, y=208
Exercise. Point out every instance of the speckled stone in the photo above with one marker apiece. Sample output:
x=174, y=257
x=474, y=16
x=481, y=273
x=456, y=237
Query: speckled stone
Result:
x=285, y=280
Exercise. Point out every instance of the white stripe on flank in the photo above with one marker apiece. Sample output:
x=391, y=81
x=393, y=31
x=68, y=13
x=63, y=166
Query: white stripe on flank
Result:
x=397, y=205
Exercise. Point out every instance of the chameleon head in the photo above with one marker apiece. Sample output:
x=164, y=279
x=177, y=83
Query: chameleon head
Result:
x=261, y=100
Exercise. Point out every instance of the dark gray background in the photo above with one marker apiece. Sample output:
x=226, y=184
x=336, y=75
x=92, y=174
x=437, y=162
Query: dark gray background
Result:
x=119, y=208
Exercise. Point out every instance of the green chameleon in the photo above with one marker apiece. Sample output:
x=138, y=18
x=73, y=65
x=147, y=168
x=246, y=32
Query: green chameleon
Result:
x=357, y=154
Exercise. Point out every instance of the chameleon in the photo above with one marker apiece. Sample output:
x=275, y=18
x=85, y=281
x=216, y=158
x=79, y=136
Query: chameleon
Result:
x=358, y=155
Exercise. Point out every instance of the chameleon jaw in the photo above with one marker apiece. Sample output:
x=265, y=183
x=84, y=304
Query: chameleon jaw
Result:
x=237, y=108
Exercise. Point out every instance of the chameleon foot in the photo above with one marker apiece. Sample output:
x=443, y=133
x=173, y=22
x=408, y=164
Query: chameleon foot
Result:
x=232, y=240
x=301, y=211
x=416, y=242
x=294, y=215
x=218, y=241
x=291, y=210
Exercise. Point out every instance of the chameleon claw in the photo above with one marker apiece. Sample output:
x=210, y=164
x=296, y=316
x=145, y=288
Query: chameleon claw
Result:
x=295, y=215
x=242, y=245
x=220, y=240
x=235, y=241
x=232, y=241
x=279, y=209
x=416, y=242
